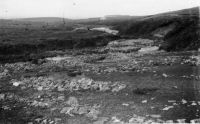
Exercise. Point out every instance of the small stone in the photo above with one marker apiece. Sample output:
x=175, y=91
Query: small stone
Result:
x=164, y=75
x=51, y=122
x=53, y=109
x=193, y=103
x=73, y=101
x=44, y=121
x=195, y=121
x=169, y=121
x=101, y=120
x=93, y=114
x=2, y=96
x=152, y=107
x=40, y=88
x=167, y=108
x=125, y=104
x=115, y=120
x=16, y=84
x=38, y=120
x=61, y=98
x=23, y=87
x=6, y=107
x=159, y=121
x=118, y=87
x=175, y=104
x=181, y=120
x=144, y=101
x=83, y=110
x=67, y=110
x=61, y=89
x=184, y=101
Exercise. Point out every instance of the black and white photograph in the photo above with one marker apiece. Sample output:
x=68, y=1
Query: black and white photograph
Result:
x=99, y=61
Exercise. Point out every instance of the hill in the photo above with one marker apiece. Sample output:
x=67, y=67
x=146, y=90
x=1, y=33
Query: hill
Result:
x=44, y=19
x=179, y=30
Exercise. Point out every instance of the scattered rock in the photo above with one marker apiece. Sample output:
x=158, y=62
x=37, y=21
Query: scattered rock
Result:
x=93, y=113
x=83, y=83
x=164, y=75
x=137, y=119
x=181, y=120
x=101, y=120
x=148, y=49
x=183, y=101
x=167, y=108
x=115, y=120
x=82, y=110
x=40, y=88
x=152, y=107
x=67, y=110
x=61, y=98
x=73, y=102
x=193, y=103
x=117, y=87
x=169, y=121
x=2, y=96
x=61, y=89
x=125, y=104
x=4, y=74
x=16, y=83
x=144, y=101
x=39, y=104
x=195, y=121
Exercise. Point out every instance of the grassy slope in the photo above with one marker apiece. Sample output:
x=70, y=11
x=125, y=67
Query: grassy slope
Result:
x=185, y=35
x=19, y=40
x=26, y=36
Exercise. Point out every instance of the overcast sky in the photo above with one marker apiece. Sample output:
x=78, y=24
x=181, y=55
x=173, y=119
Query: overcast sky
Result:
x=89, y=8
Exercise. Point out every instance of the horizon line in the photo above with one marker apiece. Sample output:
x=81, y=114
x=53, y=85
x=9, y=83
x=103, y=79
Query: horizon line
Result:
x=77, y=18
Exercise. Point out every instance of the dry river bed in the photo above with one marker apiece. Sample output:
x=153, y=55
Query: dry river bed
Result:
x=109, y=88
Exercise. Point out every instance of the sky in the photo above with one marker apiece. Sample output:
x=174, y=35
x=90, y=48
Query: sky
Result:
x=89, y=8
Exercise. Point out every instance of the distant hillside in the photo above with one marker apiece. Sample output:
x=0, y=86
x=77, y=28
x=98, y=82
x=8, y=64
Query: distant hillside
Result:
x=176, y=30
x=44, y=19
x=117, y=17
x=179, y=29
